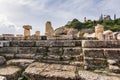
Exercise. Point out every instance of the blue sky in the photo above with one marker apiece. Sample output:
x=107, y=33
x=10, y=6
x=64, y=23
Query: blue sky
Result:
x=15, y=13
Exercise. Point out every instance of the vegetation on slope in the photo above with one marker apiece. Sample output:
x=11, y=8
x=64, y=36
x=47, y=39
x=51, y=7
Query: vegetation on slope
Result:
x=113, y=25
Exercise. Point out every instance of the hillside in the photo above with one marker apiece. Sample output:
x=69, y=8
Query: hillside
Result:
x=113, y=25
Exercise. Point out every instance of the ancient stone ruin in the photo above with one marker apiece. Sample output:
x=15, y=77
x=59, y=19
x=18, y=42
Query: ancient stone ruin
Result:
x=27, y=30
x=61, y=56
x=48, y=29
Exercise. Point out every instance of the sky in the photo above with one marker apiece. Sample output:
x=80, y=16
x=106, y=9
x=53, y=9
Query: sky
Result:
x=16, y=13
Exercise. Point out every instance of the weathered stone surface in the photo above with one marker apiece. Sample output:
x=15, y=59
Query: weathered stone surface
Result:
x=2, y=78
x=87, y=75
x=20, y=62
x=26, y=50
x=8, y=50
x=112, y=53
x=95, y=63
x=98, y=29
x=72, y=51
x=100, y=44
x=55, y=43
x=25, y=56
x=49, y=29
x=2, y=60
x=22, y=43
x=114, y=68
x=10, y=72
x=93, y=52
x=43, y=71
x=8, y=55
x=4, y=43
x=26, y=44
x=27, y=30
x=112, y=61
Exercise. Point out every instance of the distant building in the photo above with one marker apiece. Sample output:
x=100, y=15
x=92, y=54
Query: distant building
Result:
x=106, y=17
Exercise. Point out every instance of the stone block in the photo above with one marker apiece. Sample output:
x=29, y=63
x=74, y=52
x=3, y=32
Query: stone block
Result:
x=41, y=50
x=23, y=63
x=2, y=78
x=88, y=75
x=112, y=53
x=10, y=72
x=114, y=68
x=43, y=71
x=8, y=55
x=26, y=44
x=93, y=52
x=78, y=42
x=26, y=50
x=55, y=43
x=8, y=50
x=2, y=60
x=100, y=44
x=25, y=56
x=13, y=43
x=72, y=51
x=95, y=63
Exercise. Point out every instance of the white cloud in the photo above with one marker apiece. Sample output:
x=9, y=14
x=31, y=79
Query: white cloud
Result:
x=7, y=26
x=37, y=12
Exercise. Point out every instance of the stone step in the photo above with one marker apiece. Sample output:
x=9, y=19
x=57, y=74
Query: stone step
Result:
x=100, y=44
x=66, y=62
x=58, y=58
x=8, y=55
x=109, y=53
x=45, y=71
x=10, y=72
x=23, y=63
x=115, y=69
x=25, y=56
x=53, y=43
x=2, y=78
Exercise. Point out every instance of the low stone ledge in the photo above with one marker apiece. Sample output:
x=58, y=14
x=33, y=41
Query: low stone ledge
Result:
x=87, y=75
x=100, y=44
x=43, y=71
x=2, y=78
x=93, y=52
x=8, y=55
x=95, y=63
x=8, y=50
x=10, y=72
x=23, y=63
x=25, y=50
x=25, y=56
x=112, y=53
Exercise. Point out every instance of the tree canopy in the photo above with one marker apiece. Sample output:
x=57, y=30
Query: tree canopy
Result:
x=113, y=25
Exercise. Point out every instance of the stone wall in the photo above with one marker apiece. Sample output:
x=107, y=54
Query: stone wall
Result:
x=101, y=54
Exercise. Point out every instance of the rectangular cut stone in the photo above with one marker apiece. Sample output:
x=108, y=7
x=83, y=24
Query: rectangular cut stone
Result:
x=8, y=50
x=95, y=63
x=113, y=53
x=4, y=43
x=100, y=44
x=43, y=71
x=93, y=52
x=55, y=43
x=72, y=51
x=78, y=42
x=26, y=50
x=26, y=44
x=25, y=56
x=13, y=43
